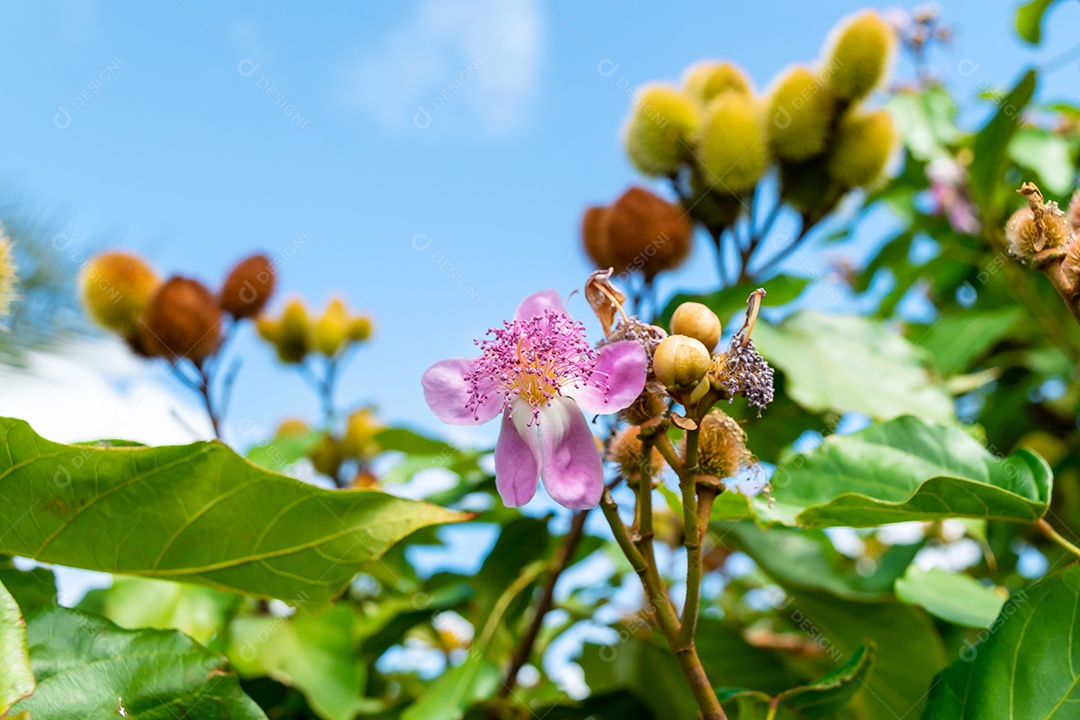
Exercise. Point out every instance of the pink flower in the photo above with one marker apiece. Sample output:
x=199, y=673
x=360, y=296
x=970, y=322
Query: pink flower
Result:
x=541, y=373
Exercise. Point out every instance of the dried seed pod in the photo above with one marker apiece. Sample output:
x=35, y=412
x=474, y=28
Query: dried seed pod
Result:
x=627, y=451
x=742, y=371
x=658, y=131
x=732, y=152
x=182, y=320
x=116, y=288
x=248, y=286
x=594, y=236
x=1071, y=264
x=647, y=233
x=722, y=449
x=650, y=404
x=680, y=362
x=706, y=79
x=697, y=321
x=1073, y=214
x=860, y=50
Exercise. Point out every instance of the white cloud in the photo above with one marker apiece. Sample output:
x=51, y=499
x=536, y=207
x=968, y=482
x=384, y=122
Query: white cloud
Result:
x=457, y=64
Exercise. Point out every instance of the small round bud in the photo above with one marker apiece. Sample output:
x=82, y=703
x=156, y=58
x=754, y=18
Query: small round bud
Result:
x=359, y=438
x=647, y=233
x=182, y=320
x=862, y=147
x=801, y=108
x=706, y=79
x=291, y=428
x=116, y=287
x=360, y=328
x=699, y=322
x=331, y=330
x=594, y=236
x=659, y=128
x=626, y=451
x=248, y=287
x=294, y=340
x=722, y=449
x=732, y=152
x=326, y=457
x=859, y=53
x=680, y=362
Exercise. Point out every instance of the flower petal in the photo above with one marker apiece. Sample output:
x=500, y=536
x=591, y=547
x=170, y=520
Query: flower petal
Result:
x=621, y=367
x=516, y=459
x=447, y=392
x=570, y=464
x=537, y=303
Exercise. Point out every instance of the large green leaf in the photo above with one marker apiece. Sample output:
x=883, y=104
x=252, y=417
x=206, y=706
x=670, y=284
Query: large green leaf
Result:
x=87, y=667
x=1047, y=154
x=905, y=469
x=956, y=341
x=925, y=120
x=32, y=589
x=1029, y=19
x=457, y=689
x=955, y=597
x=1026, y=665
x=16, y=680
x=646, y=668
x=197, y=513
x=840, y=364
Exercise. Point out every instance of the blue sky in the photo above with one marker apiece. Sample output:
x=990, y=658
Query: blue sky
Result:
x=427, y=159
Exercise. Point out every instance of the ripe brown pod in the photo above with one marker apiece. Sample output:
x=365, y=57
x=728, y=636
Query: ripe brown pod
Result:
x=248, y=286
x=182, y=320
x=594, y=236
x=647, y=233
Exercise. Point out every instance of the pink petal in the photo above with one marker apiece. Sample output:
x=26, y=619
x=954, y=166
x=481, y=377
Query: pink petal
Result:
x=570, y=464
x=447, y=392
x=537, y=303
x=621, y=367
x=517, y=459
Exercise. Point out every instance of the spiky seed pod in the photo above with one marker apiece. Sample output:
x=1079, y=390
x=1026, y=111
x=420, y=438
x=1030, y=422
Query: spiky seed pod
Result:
x=291, y=428
x=116, y=287
x=862, y=147
x=647, y=233
x=294, y=340
x=722, y=449
x=1022, y=233
x=680, y=362
x=808, y=187
x=594, y=236
x=326, y=457
x=248, y=286
x=800, y=109
x=732, y=152
x=650, y=404
x=8, y=277
x=331, y=330
x=1071, y=264
x=706, y=79
x=658, y=131
x=1074, y=211
x=1057, y=230
x=711, y=205
x=627, y=451
x=359, y=438
x=360, y=328
x=182, y=320
x=697, y=321
x=859, y=53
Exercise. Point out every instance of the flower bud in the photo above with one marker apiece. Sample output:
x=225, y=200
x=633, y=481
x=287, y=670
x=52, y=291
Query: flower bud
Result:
x=359, y=438
x=647, y=233
x=722, y=449
x=801, y=108
x=626, y=451
x=659, y=128
x=360, y=328
x=182, y=320
x=859, y=53
x=294, y=337
x=248, y=287
x=862, y=147
x=706, y=79
x=331, y=329
x=699, y=322
x=116, y=287
x=732, y=153
x=680, y=362
x=594, y=236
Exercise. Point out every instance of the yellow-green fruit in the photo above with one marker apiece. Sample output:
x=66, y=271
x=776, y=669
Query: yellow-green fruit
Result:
x=658, y=131
x=699, y=322
x=327, y=456
x=360, y=328
x=706, y=79
x=359, y=438
x=294, y=341
x=680, y=362
x=116, y=288
x=861, y=149
x=732, y=151
x=860, y=51
x=801, y=110
x=290, y=428
x=331, y=329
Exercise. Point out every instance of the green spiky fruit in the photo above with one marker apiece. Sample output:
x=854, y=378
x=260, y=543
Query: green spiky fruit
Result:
x=732, y=150
x=801, y=109
x=861, y=149
x=808, y=187
x=706, y=79
x=859, y=53
x=116, y=287
x=658, y=131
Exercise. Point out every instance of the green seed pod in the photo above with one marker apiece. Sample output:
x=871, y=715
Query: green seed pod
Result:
x=808, y=187
x=658, y=131
x=699, y=322
x=294, y=336
x=331, y=329
x=116, y=287
x=732, y=151
x=862, y=147
x=680, y=362
x=859, y=53
x=360, y=328
x=801, y=109
x=706, y=79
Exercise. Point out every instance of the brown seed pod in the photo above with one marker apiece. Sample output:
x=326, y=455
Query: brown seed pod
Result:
x=626, y=451
x=594, y=236
x=722, y=449
x=182, y=320
x=248, y=286
x=647, y=233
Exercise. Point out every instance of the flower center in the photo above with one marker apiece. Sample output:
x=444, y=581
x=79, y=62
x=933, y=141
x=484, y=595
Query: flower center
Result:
x=531, y=361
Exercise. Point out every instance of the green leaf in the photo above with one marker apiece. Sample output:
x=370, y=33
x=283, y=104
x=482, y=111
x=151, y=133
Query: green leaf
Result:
x=780, y=290
x=1048, y=155
x=955, y=597
x=458, y=688
x=841, y=364
x=956, y=341
x=989, y=159
x=1026, y=665
x=281, y=453
x=87, y=667
x=906, y=469
x=411, y=442
x=645, y=668
x=925, y=120
x=1029, y=19
x=32, y=589
x=16, y=680
x=196, y=513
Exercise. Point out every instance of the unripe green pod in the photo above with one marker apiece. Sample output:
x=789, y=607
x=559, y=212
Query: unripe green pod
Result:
x=116, y=287
x=699, y=322
x=859, y=53
x=808, y=187
x=732, y=151
x=680, y=362
x=800, y=110
x=294, y=341
x=331, y=329
x=862, y=147
x=360, y=328
x=658, y=131
x=706, y=79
